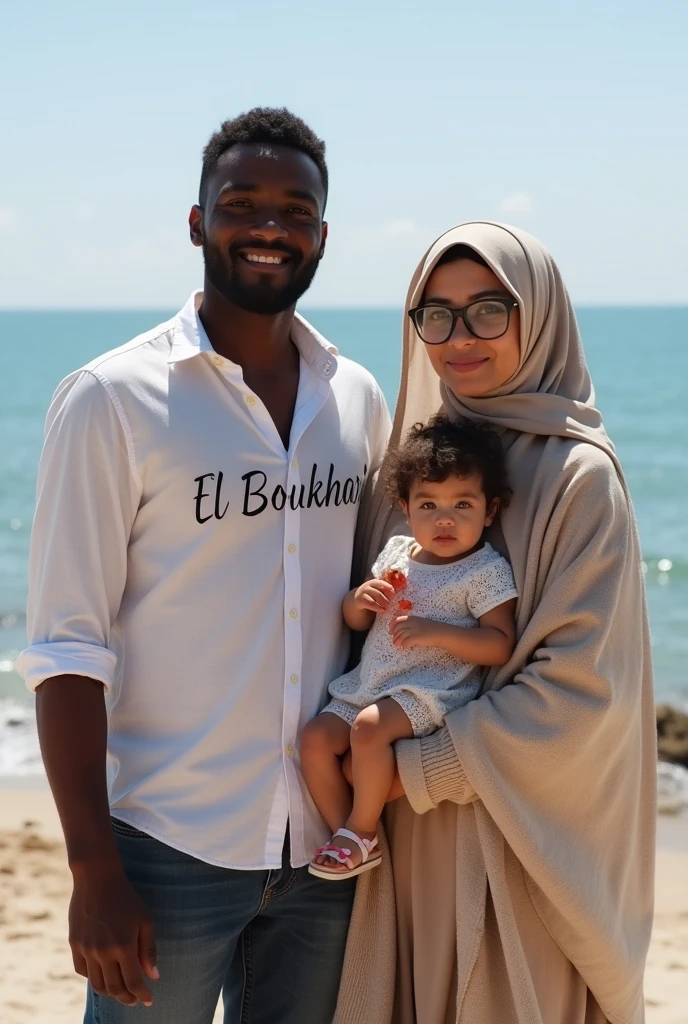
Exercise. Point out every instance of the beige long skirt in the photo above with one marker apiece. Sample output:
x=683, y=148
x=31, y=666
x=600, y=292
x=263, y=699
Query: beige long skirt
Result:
x=425, y=878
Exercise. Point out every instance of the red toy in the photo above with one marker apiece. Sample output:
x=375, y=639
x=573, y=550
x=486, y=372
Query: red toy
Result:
x=396, y=578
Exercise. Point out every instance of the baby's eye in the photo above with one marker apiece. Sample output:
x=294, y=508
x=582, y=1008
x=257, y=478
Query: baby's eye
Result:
x=463, y=504
x=428, y=505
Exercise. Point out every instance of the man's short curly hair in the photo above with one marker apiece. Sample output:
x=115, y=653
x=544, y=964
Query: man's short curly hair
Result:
x=444, y=448
x=275, y=125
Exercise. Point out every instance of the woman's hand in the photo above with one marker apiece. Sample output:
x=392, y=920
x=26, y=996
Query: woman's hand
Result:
x=396, y=791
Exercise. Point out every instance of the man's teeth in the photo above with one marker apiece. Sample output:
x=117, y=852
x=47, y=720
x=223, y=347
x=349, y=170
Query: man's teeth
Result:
x=254, y=258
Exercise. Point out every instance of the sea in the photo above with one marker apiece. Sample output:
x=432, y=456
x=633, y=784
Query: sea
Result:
x=639, y=362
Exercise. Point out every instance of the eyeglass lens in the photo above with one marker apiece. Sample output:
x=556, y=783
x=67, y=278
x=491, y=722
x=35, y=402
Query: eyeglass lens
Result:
x=486, y=319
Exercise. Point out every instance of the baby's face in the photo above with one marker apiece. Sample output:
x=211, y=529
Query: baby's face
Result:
x=447, y=519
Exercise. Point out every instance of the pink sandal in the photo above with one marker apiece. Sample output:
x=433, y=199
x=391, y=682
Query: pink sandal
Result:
x=343, y=856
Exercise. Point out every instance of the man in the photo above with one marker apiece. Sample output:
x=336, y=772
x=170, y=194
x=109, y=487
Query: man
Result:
x=197, y=500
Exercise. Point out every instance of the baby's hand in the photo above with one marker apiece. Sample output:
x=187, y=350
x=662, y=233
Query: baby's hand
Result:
x=373, y=596
x=409, y=631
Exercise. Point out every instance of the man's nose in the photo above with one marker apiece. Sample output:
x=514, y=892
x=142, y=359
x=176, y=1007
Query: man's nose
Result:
x=269, y=231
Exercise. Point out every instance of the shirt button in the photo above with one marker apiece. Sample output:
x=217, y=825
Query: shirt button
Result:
x=294, y=678
x=294, y=614
x=292, y=549
x=218, y=360
x=289, y=750
x=249, y=399
x=294, y=463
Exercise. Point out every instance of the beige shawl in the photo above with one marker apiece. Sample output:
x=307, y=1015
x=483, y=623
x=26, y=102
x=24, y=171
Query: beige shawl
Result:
x=554, y=765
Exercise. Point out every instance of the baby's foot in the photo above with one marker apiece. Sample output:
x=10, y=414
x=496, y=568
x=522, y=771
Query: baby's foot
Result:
x=349, y=854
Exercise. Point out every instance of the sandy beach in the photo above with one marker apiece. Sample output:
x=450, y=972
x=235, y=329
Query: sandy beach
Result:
x=37, y=982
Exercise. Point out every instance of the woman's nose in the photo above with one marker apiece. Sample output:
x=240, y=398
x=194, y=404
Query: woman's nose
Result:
x=461, y=336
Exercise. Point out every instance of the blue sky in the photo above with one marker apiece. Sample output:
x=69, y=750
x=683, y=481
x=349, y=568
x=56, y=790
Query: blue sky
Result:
x=566, y=118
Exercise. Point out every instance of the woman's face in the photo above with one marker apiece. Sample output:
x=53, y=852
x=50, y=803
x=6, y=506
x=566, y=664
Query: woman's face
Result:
x=470, y=366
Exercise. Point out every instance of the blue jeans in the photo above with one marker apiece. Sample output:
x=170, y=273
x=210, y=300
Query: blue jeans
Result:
x=272, y=942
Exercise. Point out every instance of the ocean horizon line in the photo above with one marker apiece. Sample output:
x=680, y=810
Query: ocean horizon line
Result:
x=364, y=308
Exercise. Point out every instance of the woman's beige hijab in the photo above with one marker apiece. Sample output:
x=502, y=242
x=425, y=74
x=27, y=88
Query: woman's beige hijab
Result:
x=551, y=392
x=560, y=748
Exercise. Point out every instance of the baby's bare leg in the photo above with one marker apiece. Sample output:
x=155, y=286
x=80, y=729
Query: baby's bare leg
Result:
x=323, y=741
x=372, y=761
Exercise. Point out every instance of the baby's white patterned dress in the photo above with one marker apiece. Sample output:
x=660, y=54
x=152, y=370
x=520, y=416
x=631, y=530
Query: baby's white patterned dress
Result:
x=428, y=683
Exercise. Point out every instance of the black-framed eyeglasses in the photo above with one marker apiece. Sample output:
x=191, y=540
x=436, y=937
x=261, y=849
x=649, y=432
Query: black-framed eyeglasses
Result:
x=487, y=319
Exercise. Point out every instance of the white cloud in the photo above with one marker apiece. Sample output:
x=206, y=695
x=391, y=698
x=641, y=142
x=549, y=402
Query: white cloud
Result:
x=7, y=217
x=519, y=202
x=399, y=228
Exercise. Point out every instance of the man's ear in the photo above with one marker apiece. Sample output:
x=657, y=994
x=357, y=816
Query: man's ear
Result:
x=196, y=226
x=324, y=240
x=492, y=510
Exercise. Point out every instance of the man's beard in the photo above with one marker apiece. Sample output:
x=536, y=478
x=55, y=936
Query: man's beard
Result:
x=265, y=297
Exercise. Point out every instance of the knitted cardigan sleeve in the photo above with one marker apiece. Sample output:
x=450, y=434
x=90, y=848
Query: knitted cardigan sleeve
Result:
x=430, y=772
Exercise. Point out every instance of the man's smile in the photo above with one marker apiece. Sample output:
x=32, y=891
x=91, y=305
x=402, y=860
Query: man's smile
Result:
x=265, y=260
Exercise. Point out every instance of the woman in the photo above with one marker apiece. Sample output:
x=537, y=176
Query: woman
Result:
x=523, y=856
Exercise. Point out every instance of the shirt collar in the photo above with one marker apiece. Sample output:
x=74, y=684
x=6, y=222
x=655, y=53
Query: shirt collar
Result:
x=188, y=335
x=315, y=350
x=189, y=339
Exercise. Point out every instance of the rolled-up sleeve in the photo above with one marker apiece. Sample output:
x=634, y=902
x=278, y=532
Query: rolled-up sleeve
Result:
x=431, y=772
x=87, y=497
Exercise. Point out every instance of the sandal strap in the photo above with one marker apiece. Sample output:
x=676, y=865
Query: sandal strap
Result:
x=366, y=846
x=337, y=853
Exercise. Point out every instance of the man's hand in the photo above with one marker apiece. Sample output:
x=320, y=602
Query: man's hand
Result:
x=373, y=596
x=110, y=932
x=112, y=936
x=409, y=631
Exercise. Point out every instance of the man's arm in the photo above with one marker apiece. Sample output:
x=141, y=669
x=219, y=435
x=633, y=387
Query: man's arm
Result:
x=88, y=494
x=110, y=933
x=70, y=712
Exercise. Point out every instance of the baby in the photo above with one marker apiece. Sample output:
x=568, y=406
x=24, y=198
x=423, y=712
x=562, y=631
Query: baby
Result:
x=438, y=604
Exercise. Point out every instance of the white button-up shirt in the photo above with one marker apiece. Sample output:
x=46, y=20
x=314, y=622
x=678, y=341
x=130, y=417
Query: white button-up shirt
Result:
x=184, y=558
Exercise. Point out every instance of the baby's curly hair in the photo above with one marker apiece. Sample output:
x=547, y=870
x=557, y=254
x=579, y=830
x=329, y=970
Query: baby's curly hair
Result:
x=443, y=448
